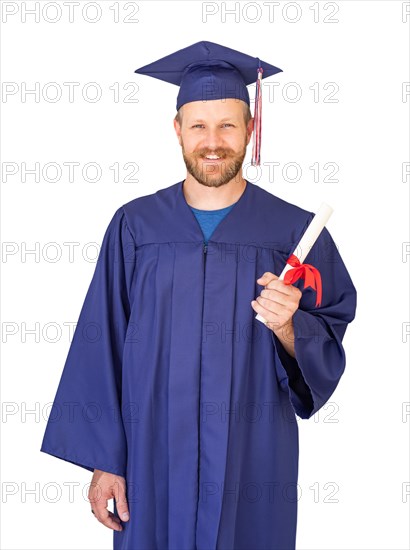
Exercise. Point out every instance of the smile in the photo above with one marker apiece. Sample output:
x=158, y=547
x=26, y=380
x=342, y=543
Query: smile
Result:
x=212, y=158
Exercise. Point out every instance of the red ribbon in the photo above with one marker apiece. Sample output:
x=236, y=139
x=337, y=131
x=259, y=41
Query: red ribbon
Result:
x=310, y=274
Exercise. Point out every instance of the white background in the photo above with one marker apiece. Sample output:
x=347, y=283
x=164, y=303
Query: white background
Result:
x=355, y=452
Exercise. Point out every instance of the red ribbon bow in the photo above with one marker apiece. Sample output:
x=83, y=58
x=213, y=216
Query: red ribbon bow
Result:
x=310, y=274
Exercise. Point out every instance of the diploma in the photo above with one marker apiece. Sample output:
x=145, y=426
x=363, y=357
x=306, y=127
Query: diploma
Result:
x=307, y=241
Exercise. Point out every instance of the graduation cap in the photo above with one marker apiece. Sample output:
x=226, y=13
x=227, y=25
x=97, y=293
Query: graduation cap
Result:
x=207, y=71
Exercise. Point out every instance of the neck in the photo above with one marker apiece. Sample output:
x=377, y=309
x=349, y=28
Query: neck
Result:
x=203, y=197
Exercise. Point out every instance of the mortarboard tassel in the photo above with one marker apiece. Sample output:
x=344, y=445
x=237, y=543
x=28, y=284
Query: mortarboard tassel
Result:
x=257, y=128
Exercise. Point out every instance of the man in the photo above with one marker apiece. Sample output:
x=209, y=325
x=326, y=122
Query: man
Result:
x=180, y=402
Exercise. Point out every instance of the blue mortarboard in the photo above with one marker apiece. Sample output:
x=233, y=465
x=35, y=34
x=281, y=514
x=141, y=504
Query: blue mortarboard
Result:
x=207, y=71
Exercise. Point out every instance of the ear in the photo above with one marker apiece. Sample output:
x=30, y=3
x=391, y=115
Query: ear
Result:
x=249, y=130
x=177, y=128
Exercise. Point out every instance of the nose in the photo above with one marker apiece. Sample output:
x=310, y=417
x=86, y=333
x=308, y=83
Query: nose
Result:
x=212, y=139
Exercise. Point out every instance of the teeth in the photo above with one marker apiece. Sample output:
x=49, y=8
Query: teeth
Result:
x=212, y=157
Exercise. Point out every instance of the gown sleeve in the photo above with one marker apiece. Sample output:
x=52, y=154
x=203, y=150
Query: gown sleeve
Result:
x=312, y=376
x=85, y=424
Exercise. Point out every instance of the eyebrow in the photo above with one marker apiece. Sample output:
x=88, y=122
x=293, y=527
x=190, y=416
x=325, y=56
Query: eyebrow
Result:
x=222, y=119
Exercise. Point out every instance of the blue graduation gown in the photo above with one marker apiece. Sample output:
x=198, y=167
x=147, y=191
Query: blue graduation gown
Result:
x=172, y=383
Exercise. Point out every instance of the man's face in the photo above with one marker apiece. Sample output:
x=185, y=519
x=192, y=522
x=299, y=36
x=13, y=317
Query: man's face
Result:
x=213, y=136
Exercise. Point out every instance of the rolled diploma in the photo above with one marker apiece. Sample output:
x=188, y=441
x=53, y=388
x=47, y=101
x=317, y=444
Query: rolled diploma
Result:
x=307, y=241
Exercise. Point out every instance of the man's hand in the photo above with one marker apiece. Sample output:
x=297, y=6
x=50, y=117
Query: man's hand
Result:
x=105, y=486
x=277, y=303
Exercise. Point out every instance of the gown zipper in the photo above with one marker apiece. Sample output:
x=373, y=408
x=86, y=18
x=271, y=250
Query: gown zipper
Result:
x=204, y=249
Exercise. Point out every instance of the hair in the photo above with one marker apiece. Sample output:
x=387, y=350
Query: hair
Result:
x=246, y=114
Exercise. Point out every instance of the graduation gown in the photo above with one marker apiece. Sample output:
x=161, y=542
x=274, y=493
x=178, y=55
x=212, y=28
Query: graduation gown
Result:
x=171, y=383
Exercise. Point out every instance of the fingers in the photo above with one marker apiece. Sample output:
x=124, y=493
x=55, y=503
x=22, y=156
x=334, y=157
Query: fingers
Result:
x=266, y=278
x=275, y=306
x=271, y=282
x=280, y=286
x=267, y=304
x=267, y=314
x=278, y=292
x=99, y=503
x=270, y=295
x=107, y=518
x=108, y=486
x=270, y=307
x=121, y=501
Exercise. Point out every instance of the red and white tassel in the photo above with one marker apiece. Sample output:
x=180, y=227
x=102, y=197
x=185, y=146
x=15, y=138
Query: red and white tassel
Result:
x=257, y=122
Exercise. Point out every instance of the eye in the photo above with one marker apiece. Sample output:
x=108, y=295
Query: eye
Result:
x=197, y=126
x=227, y=124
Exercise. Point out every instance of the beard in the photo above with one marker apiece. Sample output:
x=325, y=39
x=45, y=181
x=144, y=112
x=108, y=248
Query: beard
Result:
x=214, y=174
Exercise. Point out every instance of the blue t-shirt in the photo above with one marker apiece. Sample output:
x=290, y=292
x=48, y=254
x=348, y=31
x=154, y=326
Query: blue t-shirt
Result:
x=209, y=219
